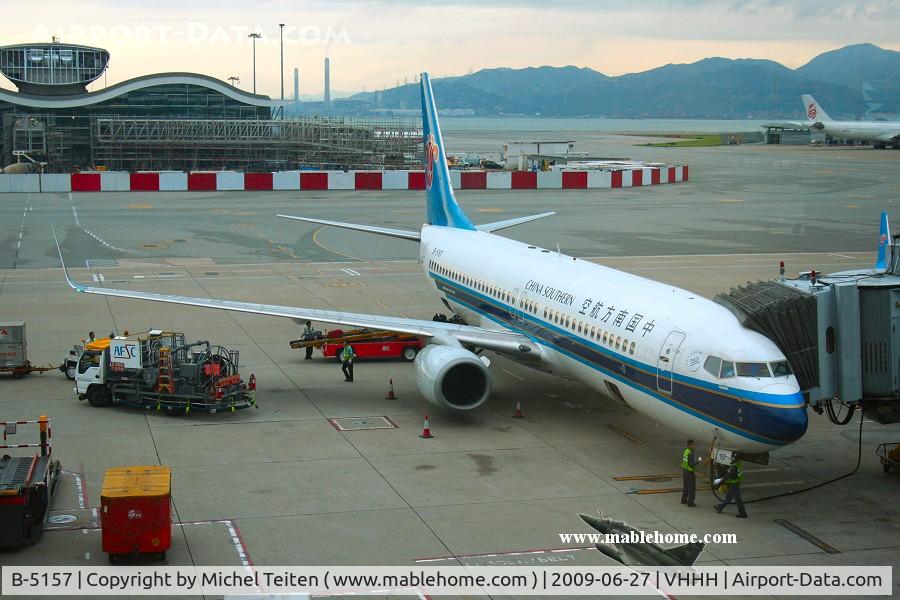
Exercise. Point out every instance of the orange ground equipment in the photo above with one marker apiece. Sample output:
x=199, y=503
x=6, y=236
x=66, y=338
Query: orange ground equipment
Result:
x=366, y=343
x=135, y=512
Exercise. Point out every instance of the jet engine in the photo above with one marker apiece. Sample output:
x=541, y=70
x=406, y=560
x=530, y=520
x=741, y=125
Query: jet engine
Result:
x=452, y=377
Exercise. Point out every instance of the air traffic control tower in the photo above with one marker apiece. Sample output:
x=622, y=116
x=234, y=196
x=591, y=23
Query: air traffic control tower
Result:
x=52, y=69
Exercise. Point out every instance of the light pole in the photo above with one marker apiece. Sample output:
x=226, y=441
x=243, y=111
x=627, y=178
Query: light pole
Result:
x=255, y=37
x=234, y=80
x=281, y=27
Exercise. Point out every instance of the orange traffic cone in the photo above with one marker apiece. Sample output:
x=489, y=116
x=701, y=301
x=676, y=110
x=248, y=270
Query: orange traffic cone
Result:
x=518, y=413
x=426, y=431
x=391, y=395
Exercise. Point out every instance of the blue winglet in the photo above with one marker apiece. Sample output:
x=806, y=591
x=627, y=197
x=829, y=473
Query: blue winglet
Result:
x=442, y=207
x=884, y=243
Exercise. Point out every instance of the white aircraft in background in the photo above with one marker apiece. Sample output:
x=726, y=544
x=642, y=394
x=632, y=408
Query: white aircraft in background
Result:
x=880, y=133
x=676, y=357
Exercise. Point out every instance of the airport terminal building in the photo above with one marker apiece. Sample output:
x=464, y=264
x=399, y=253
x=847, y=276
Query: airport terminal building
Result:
x=171, y=121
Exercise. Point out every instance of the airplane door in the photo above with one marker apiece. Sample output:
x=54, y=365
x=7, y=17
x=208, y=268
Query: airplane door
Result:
x=519, y=300
x=666, y=361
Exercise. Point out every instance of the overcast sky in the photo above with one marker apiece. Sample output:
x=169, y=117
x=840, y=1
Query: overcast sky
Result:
x=375, y=43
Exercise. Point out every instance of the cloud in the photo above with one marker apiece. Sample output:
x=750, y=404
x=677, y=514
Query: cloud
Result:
x=374, y=43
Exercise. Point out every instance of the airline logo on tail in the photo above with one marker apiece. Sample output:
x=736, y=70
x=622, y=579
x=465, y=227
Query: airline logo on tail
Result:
x=431, y=156
x=811, y=111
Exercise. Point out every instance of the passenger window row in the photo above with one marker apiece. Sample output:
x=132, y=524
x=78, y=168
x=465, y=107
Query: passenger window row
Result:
x=554, y=316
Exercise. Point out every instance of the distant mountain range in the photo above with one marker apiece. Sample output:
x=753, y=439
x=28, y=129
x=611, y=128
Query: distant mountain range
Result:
x=859, y=81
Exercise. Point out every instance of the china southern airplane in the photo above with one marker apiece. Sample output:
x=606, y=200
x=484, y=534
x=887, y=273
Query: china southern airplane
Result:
x=676, y=357
x=880, y=133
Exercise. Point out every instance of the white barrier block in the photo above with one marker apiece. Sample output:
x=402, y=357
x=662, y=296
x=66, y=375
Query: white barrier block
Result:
x=395, y=180
x=626, y=178
x=456, y=179
x=56, y=182
x=599, y=179
x=229, y=181
x=647, y=177
x=341, y=180
x=115, y=181
x=22, y=182
x=663, y=175
x=679, y=173
x=499, y=180
x=4, y=183
x=549, y=180
x=173, y=181
x=286, y=180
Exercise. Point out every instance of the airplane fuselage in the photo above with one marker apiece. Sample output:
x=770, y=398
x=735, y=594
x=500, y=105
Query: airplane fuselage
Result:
x=636, y=341
x=873, y=131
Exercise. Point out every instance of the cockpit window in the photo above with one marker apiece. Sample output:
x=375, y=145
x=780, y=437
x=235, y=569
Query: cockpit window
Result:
x=781, y=368
x=712, y=365
x=754, y=369
x=727, y=369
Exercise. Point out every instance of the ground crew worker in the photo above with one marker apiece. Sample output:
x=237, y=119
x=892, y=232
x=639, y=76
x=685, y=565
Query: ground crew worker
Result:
x=347, y=356
x=308, y=334
x=733, y=479
x=91, y=336
x=689, y=462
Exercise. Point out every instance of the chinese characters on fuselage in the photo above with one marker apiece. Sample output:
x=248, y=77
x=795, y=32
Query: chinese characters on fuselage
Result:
x=621, y=318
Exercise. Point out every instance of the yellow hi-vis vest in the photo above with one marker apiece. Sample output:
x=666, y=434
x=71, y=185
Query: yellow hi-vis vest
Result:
x=347, y=353
x=685, y=460
x=738, y=472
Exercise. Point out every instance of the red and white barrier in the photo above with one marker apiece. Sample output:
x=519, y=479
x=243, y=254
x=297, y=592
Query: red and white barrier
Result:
x=232, y=181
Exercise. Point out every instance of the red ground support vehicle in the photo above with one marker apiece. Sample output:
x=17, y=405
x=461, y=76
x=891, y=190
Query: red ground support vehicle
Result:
x=135, y=512
x=367, y=344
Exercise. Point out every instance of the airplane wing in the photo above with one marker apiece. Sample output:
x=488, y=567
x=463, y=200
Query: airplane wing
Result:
x=443, y=333
x=498, y=225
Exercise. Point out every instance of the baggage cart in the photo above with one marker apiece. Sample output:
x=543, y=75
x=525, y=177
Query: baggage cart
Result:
x=135, y=513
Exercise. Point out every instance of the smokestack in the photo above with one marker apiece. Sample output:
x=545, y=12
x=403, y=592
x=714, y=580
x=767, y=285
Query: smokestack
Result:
x=296, y=84
x=327, y=96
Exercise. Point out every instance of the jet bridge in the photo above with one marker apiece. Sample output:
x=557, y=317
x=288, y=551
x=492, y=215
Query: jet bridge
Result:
x=839, y=333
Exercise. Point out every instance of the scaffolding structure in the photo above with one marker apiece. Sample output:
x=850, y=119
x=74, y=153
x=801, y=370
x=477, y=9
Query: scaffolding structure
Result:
x=120, y=143
x=129, y=144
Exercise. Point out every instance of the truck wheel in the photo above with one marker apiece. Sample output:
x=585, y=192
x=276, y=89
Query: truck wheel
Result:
x=99, y=396
x=409, y=353
x=175, y=411
x=18, y=374
x=70, y=372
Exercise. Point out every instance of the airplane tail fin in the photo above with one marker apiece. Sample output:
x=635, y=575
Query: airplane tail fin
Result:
x=686, y=554
x=814, y=110
x=442, y=207
x=884, y=244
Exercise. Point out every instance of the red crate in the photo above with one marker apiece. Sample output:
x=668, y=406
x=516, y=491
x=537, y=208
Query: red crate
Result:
x=85, y=182
x=258, y=182
x=314, y=181
x=365, y=180
x=473, y=180
x=135, y=512
x=144, y=182
x=574, y=180
x=523, y=180
x=416, y=180
x=201, y=182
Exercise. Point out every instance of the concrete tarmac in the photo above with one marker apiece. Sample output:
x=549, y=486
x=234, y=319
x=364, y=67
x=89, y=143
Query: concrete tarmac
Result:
x=283, y=484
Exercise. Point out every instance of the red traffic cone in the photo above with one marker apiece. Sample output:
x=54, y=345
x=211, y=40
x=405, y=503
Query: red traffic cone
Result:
x=426, y=431
x=518, y=413
x=391, y=395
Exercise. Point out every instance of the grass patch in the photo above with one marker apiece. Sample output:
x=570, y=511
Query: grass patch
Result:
x=690, y=142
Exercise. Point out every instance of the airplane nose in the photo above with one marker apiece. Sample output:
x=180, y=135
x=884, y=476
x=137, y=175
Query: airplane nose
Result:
x=794, y=422
x=787, y=424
